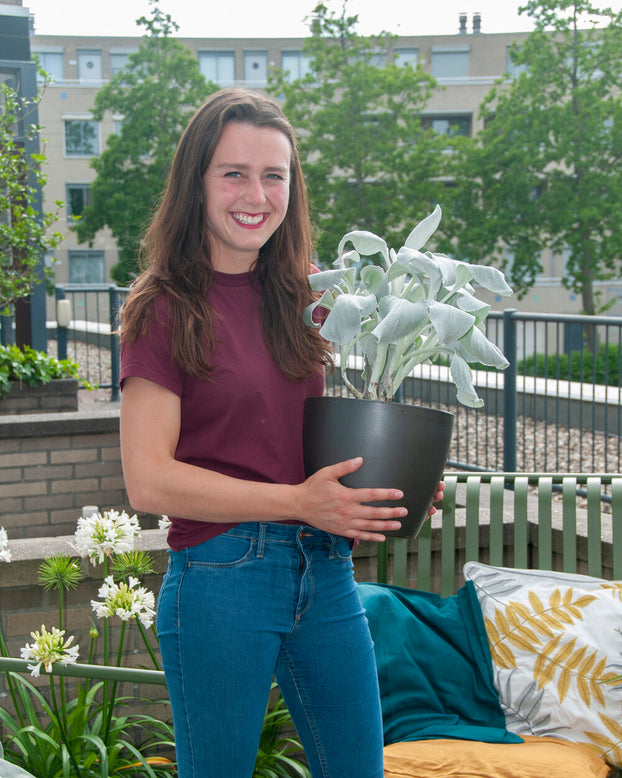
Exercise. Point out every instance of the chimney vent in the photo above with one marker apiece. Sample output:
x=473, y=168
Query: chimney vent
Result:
x=477, y=24
x=463, y=23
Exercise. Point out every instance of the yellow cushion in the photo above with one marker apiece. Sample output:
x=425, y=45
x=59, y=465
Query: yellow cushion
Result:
x=537, y=757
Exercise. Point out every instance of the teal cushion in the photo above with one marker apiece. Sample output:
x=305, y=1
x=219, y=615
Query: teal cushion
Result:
x=434, y=665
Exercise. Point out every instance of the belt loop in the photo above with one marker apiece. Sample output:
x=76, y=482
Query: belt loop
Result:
x=261, y=538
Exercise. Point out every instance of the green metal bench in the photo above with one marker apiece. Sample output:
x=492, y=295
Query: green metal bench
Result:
x=550, y=521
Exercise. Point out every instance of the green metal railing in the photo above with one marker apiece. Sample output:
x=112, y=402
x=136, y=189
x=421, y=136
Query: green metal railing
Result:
x=531, y=522
x=98, y=672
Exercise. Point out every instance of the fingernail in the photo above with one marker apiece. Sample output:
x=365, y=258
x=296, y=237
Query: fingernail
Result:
x=403, y=511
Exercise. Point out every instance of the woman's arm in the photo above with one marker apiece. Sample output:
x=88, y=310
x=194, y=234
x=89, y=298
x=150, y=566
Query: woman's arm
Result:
x=157, y=483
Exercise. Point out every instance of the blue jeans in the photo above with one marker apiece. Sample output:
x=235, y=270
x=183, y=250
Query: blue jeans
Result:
x=261, y=600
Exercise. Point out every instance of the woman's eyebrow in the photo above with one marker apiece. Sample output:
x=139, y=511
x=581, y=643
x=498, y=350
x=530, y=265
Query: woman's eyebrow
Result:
x=243, y=166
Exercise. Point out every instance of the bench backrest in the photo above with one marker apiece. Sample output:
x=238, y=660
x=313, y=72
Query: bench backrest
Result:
x=550, y=521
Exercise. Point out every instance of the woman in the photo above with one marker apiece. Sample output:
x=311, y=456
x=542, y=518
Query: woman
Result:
x=216, y=364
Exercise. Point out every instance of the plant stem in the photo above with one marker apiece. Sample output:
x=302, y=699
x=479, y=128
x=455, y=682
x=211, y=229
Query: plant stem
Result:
x=64, y=735
x=113, y=692
x=150, y=650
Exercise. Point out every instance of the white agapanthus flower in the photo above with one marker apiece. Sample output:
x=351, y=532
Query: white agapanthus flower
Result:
x=164, y=522
x=125, y=600
x=5, y=551
x=103, y=534
x=49, y=647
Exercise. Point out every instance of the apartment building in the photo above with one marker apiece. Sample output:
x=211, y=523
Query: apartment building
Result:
x=465, y=65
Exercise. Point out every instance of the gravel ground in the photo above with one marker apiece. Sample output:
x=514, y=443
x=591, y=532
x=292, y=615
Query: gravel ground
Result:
x=542, y=446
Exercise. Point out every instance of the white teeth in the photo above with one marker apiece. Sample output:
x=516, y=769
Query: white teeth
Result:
x=247, y=219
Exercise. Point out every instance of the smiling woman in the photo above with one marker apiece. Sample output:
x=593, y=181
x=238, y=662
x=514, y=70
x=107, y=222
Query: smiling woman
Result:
x=217, y=363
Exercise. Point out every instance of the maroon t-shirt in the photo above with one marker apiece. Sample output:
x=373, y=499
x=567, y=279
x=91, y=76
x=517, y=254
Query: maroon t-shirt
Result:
x=247, y=421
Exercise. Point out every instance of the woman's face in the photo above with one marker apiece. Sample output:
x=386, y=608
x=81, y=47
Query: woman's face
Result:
x=247, y=193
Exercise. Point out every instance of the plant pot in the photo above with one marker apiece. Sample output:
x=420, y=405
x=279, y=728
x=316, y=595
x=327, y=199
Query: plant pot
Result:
x=403, y=447
x=57, y=396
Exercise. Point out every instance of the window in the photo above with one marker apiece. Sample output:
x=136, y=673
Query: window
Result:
x=511, y=68
x=86, y=267
x=295, y=64
x=52, y=63
x=403, y=57
x=81, y=138
x=256, y=68
x=450, y=125
x=218, y=67
x=90, y=65
x=118, y=61
x=450, y=62
x=377, y=59
x=78, y=196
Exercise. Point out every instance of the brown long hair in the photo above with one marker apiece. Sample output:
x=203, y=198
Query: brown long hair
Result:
x=176, y=259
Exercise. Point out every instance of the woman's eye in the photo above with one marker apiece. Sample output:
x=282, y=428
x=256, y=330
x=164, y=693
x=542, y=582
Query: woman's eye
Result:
x=232, y=174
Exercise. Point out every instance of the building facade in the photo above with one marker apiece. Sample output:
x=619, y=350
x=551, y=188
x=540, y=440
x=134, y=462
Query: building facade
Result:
x=465, y=66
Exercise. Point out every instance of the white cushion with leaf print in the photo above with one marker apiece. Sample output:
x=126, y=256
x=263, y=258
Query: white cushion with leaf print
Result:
x=556, y=646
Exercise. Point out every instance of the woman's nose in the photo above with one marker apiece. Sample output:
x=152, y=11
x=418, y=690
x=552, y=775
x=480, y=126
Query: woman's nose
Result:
x=253, y=191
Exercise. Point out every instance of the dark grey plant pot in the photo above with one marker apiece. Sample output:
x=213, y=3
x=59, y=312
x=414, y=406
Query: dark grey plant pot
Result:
x=403, y=446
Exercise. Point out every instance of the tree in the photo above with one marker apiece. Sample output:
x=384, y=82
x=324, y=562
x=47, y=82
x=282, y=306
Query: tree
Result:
x=546, y=172
x=368, y=161
x=24, y=229
x=156, y=93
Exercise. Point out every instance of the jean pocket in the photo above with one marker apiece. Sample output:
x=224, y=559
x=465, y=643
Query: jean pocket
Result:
x=226, y=550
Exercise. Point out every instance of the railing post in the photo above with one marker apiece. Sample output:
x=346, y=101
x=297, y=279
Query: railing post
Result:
x=115, y=359
x=61, y=332
x=7, y=331
x=509, y=392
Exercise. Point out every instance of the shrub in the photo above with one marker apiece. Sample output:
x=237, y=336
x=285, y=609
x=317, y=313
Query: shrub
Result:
x=604, y=367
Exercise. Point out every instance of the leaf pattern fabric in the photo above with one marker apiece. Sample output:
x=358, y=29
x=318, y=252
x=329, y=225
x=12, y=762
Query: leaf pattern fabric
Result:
x=556, y=645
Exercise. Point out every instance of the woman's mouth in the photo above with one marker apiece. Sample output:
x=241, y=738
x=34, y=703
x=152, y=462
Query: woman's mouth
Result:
x=248, y=219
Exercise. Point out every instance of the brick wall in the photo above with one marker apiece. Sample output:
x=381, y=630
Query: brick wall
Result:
x=53, y=464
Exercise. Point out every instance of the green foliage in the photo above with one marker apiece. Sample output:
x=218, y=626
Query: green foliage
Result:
x=34, y=368
x=368, y=162
x=93, y=732
x=546, y=170
x=51, y=741
x=24, y=230
x=156, y=93
x=275, y=757
x=604, y=367
x=414, y=309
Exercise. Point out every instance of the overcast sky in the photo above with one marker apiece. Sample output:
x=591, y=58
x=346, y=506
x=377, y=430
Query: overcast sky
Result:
x=274, y=18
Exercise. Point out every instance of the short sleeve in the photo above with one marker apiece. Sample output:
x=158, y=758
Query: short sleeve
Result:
x=149, y=356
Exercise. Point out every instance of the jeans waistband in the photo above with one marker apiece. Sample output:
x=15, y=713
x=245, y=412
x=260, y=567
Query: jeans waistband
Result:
x=288, y=534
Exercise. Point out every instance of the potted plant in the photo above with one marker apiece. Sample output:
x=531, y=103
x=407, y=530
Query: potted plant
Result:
x=25, y=378
x=416, y=307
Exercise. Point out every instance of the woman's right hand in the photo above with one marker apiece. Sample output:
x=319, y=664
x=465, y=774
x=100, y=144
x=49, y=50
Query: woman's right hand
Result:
x=325, y=503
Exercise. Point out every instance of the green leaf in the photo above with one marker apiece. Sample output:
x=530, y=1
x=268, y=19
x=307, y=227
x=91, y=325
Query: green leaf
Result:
x=463, y=379
x=400, y=320
x=343, y=323
x=325, y=279
x=475, y=347
x=450, y=323
x=365, y=243
x=424, y=230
